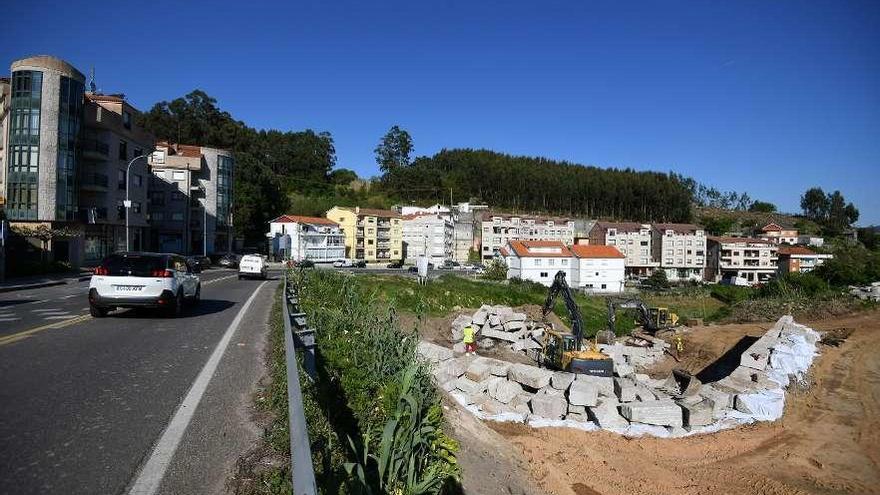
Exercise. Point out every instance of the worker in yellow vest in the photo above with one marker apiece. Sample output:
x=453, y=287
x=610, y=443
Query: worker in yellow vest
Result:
x=470, y=345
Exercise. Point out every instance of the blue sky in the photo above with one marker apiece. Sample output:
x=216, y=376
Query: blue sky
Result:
x=765, y=97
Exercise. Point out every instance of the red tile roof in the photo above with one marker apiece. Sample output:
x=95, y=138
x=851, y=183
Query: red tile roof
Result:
x=596, y=251
x=796, y=250
x=302, y=219
x=523, y=249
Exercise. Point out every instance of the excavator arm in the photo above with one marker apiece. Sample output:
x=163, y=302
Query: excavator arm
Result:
x=574, y=313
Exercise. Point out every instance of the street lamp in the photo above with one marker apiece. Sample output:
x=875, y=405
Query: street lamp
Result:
x=127, y=202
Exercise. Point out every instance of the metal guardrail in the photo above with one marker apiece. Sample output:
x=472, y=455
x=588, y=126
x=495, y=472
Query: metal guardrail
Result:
x=297, y=336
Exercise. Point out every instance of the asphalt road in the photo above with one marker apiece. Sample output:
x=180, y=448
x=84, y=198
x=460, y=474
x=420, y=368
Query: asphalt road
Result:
x=84, y=401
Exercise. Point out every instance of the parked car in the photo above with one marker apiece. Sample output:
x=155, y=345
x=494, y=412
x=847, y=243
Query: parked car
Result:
x=228, y=260
x=253, y=266
x=360, y=264
x=346, y=263
x=143, y=280
x=395, y=264
x=413, y=269
x=200, y=262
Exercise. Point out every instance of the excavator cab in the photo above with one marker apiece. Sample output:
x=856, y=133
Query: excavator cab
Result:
x=663, y=318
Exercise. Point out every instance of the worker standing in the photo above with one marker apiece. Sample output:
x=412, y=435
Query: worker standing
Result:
x=470, y=346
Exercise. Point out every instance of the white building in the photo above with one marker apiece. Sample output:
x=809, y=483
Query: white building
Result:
x=741, y=260
x=428, y=234
x=799, y=259
x=298, y=238
x=597, y=269
x=538, y=261
x=810, y=240
x=681, y=250
x=437, y=209
x=498, y=230
x=633, y=240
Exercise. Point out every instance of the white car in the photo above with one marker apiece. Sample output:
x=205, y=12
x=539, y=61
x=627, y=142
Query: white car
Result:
x=253, y=265
x=346, y=263
x=143, y=280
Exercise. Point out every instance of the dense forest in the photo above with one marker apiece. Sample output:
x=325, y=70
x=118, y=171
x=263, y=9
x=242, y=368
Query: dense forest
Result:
x=528, y=184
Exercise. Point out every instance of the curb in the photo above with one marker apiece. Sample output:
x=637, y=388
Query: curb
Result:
x=12, y=288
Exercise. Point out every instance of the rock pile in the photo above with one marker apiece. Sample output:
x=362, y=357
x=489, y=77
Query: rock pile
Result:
x=499, y=324
x=629, y=403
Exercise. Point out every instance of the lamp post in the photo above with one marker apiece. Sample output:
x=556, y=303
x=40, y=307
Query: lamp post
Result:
x=127, y=202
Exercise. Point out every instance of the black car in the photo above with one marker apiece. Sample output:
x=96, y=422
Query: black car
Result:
x=305, y=264
x=228, y=260
x=413, y=269
x=360, y=264
x=199, y=263
x=395, y=264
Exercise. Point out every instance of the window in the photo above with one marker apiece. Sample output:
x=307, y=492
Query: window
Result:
x=551, y=262
x=564, y=261
x=537, y=261
x=24, y=145
x=138, y=180
x=178, y=175
x=158, y=216
x=123, y=150
x=177, y=217
x=126, y=120
x=604, y=286
x=543, y=274
x=120, y=178
x=135, y=207
x=369, y=242
x=643, y=243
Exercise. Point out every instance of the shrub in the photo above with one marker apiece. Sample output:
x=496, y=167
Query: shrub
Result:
x=731, y=294
x=496, y=270
x=795, y=285
x=658, y=280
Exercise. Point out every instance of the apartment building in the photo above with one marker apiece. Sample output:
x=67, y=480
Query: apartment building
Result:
x=110, y=140
x=681, y=250
x=538, y=261
x=498, y=230
x=800, y=259
x=779, y=234
x=4, y=135
x=634, y=240
x=42, y=160
x=371, y=235
x=598, y=269
x=466, y=227
x=190, y=199
x=741, y=260
x=427, y=234
x=810, y=240
x=297, y=238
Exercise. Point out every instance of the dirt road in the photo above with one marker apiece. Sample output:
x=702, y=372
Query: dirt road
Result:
x=827, y=442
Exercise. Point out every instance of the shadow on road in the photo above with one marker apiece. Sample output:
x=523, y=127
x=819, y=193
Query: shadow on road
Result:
x=205, y=307
x=14, y=302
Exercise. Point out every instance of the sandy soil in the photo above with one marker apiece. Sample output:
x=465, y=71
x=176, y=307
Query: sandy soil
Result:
x=827, y=442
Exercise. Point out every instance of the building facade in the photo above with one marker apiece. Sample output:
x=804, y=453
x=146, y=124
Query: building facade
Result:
x=110, y=140
x=811, y=240
x=297, y=238
x=779, y=234
x=538, y=261
x=634, y=240
x=42, y=155
x=371, y=235
x=741, y=260
x=190, y=199
x=680, y=249
x=498, y=230
x=4, y=135
x=427, y=234
x=799, y=259
x=598, y=269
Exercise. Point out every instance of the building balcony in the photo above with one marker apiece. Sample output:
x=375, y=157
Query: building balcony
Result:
x=94, y=149
x=93, y=214
x=94, y=181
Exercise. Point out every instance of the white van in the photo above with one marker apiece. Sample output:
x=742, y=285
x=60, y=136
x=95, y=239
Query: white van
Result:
x=252, y=265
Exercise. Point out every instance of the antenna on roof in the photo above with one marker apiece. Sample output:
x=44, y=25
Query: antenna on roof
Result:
x=92, y=85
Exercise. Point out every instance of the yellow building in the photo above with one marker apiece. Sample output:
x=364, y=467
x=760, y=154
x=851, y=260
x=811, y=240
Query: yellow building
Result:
x=370, y=235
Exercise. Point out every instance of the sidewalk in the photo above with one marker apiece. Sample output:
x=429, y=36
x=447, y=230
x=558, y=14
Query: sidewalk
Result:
x=37, y=281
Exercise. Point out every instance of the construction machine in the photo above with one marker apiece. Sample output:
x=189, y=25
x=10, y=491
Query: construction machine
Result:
x=565, y=351
x=652, y=319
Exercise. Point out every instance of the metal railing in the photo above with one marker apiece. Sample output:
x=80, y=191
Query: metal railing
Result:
x=298, y=336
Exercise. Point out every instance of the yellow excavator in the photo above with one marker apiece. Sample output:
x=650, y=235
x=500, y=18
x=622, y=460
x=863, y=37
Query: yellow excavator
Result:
x=652, y=319
x=565, y=351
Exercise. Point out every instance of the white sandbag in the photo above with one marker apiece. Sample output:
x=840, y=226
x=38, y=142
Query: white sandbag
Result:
x=766, y=405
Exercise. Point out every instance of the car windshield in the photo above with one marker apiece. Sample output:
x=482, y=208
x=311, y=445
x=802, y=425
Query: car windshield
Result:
x=138, y=265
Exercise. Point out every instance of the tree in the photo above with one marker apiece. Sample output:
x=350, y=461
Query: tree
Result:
x=658, y=280
x=717, y=225
x=762, y=207
x=496, y=270
x=814, y=204
x=343, y=176
x=393, y=151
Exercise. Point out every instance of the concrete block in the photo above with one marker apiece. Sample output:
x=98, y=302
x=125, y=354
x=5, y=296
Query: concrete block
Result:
x=458, y=348
x=757, y=379
x=623, y=369
x=721, y=401
x=458, y=325
x=583, y=393
x=607, y=415
x=494, y=320
x=494, y=407
x=478, y=370
x=520, y=403
x=498, y=367
x=513, y=326
x=549, y=406
x=511, y=316
x=656, y=412
x=625, y=389
x=605, y=384
x=501, y=335
x=561, y=380
x=485, y=344
x=478, y=399
x=447, y=371
x=448, y=386
x=643, y=393
x=549, y=390
x=469, y=386
x=492, y=384
x=525, y=345
x=433, y=352
x=572, y=409
x=505, y=391
x=699, y=414
x=582, y=417
x=480, y=317
x=756, y=356
x=529, y=376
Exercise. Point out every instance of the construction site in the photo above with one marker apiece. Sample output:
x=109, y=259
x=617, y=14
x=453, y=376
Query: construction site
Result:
x=782, y=407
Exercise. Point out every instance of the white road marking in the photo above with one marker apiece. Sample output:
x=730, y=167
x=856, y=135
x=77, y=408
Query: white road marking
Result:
x=60, y=317
x=44, y=311
x=9, y=319
x=39, y=302
x=72, y=295
x=150, y=477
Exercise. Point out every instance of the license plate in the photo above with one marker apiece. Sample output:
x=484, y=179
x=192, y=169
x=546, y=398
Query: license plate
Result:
x=128, y=288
